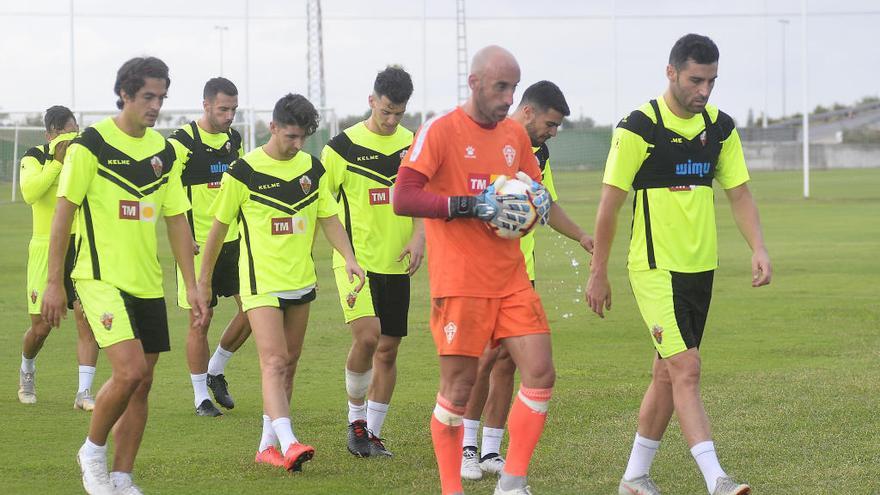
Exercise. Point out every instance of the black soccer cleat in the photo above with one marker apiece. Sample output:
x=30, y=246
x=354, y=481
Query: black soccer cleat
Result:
x=359, y=439
x=377, y=448
x=207, y=408
x=219, y=387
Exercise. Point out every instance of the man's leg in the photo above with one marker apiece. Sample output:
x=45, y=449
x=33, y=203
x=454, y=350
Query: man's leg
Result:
x=470, y=461
x=129, y=428
x=234, y=336
x=365, y=333
x=31, y=344
x=457, y=375
x=197, y=359
x=384, y=380
x=87, y=357
x=533, y=357
x=497, y=407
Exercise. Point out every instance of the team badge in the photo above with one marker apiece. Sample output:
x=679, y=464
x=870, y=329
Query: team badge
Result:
x=703, y=138
x=509, y=154
x=351, y=299
x=157, y=165
x=403, y=153
x=450, y=330
x=470, y=152
x=34, y=296
x=657, y=332
x=228, y=146
x=107, y=320
x=305, y=183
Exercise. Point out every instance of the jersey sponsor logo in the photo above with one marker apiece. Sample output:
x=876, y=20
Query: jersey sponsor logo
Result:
x=263, y=187
x=219, y=167
x=703, y=138
x=34, y=296
x=118, y=162
x=288, y=225
x=681, y=188
x=214, y=185
x=157, y=165
x=657, y=332
x=367, y=158
x=136, y=210
x=470, y=152
x=509, y=154
x=450, y=330
x=477, y=183
x=698, y=169
x=380, y=196
x=305, y=184
x=107, y=320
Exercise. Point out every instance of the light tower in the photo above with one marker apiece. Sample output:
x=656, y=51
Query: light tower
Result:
x=461, y=42
x=316, y=54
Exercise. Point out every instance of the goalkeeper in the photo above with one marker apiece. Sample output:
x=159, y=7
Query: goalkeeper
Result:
x=479, y=286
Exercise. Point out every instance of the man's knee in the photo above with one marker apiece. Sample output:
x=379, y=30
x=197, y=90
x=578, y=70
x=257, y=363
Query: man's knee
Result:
x=386, y=352
x=684, y=369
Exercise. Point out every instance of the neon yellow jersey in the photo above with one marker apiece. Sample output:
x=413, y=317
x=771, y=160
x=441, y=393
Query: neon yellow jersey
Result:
x=527, y=242
x=205, y=157
x=122, y=184
x=39, y=181
x=670, y=162
x=278, y=204
x=362, y=169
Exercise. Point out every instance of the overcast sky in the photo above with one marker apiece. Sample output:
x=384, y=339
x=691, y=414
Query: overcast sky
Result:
x=573, y=43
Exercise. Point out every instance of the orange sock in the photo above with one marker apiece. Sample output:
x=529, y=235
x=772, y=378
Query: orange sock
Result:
x=526, y=423
x=447, y=433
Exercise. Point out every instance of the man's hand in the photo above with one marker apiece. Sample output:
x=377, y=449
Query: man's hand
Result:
x=415, y=249
x=61, y=150
x=354, y=270
x=540, y=197
x=483, y=206
x=54, y=307
x=198, y=306
x=196, y=248
x=598, y=295
x=761, y=269
x=586, y=242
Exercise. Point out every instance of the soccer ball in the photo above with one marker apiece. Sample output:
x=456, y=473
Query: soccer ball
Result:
x=500, y=226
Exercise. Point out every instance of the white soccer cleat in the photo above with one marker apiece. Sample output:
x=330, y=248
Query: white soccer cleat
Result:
x=95, y=478
x=26, y=390
x=84, y=401
x=492, y=465
x=524, y=490
x=728, y=486
x=470, y=464
x=643, y=485
x=127, y=488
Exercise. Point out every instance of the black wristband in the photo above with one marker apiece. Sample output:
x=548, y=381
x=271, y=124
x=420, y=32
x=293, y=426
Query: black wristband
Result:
x=462, y=206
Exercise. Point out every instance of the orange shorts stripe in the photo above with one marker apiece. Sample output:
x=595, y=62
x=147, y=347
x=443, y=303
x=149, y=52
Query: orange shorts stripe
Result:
x=462, y=326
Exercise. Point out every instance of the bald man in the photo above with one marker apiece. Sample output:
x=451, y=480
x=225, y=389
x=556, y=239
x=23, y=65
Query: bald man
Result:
x=480, y=290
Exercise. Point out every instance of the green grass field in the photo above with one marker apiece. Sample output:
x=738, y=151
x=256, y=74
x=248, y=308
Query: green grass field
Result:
x=791, y=374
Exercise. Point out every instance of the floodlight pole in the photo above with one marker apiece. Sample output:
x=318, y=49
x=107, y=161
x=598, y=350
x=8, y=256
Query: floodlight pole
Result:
x=806, y=110
x=783, y=23
x=221, y=29
x=72, y=62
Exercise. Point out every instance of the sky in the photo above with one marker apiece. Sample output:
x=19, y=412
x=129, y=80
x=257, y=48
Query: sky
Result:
x=608, y=57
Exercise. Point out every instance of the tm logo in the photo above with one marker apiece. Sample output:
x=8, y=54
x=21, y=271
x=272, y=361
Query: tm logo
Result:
x=693, y=168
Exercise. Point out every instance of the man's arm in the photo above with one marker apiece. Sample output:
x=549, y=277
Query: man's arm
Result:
x=54, y=306
x=745, y=213
x=36, y=179
x=415, y=248
x=562, y=223
x=335, y=234
x=598, y=287
x=181, y=241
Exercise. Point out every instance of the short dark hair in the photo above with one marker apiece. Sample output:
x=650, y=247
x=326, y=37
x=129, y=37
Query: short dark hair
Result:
x=131, y=76
x=219, y=85
x=296, y=110
x=701, y=49
x=394, y=83
x=57, y=117
x=544, y=95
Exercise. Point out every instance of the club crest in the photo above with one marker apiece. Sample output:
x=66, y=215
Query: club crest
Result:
x=657, y=332
x=509, y=154
x=34, y=295
x=305, y=183
x=450, y=330
x=228, y=146
x=351, y=299
x=107, y=320
x=157, y=165
x=703, y=138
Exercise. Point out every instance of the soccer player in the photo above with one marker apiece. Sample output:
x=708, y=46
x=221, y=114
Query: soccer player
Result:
x=279, y=194
x=540, y=111
x=206, y=148
x=669, y=151
x=480, y=289
x=362, y=164
x=40, y=168
x=120, y=174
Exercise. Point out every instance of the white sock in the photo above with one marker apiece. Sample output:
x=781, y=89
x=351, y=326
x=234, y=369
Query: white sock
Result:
x=86, y=375
x=284, y=431
x=491, y=441
x=707, y=460
x=200, y=387
x=28, y=365
x=641, y=457
x=470, y=432
x=92, y=450
x=218, y=361
x=121, y=479
x=376, y=412
x=269, y=437
x=357, y=412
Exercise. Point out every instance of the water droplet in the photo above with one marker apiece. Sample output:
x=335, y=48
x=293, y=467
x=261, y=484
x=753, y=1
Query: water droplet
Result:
x=575, y=263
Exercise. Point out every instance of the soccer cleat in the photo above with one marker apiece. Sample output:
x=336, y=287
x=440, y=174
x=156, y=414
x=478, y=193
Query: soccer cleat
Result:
x=727, y=486
x=128, y=488
x=523, y=490
x=296, y=455
x=84, y=401
x=492, y=463
x=220, y=389
x=26, y=392
x=207, y=408
x=359, y=439
x=470, y=464
x=95, y=478
x=377, y=448
x=643, y=485
x=270, y=456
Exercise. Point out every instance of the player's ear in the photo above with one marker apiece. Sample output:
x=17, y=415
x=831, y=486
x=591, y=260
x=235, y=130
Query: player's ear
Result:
x=670, y=72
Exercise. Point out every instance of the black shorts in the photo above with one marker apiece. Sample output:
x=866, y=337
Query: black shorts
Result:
x=390, y=295
x=149, y=322
x=225, y=280
x=305, y=299
x=69, y=260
